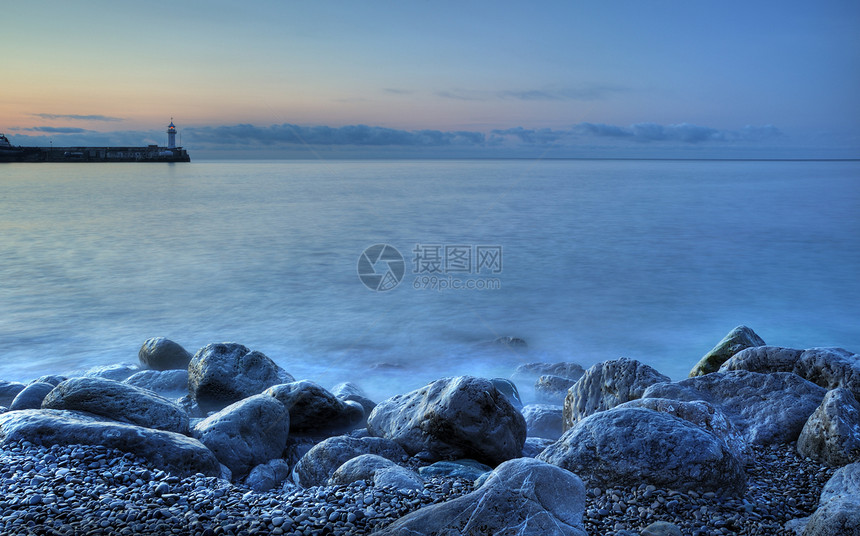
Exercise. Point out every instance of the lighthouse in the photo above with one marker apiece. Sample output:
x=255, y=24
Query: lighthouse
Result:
x=171, y=135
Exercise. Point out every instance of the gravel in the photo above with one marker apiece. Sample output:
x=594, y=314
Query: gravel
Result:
x=77, y=490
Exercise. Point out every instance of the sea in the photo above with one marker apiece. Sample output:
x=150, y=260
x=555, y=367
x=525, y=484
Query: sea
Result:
x=394, y=273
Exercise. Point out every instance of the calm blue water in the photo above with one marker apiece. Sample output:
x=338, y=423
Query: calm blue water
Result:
x=654, y=260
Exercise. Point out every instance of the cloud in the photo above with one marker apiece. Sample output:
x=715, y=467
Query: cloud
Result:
x=396, y=91
x=58, y=130
x=579, y=140
x=754, y=133
x=582, y=93
x=357, y=135
x=534, y=136
x=464, y=95
x=684, y=132
x=79, y=117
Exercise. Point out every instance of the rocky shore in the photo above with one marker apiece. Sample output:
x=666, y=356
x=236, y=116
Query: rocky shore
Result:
x=759, y=440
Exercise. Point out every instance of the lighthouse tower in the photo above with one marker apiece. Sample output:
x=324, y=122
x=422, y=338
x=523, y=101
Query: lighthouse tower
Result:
x=171, y=135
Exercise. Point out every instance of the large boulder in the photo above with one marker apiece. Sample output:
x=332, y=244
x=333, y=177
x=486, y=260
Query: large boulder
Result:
x=170, y=383
x=529, y=372
x=633, y=446
x=543, y=420
x=220, y=374
x=737, y=339
x=509, y=389
x=766, y=408
x=321, y=461
x=53, y=379
x=828, y=367
x=553, y=389
x=313, y=410
x=607, y=384
x=159, y=353
x=117, y=372
x=832, y=433
x=118, y=401
x=702, y=414
x=522, y=497
x=350, y=391
x=838, y=512
x=381, y=471
x=462, y=417
x=31, y=396
x=170, y=451
x=8, y=391
x=246, y=433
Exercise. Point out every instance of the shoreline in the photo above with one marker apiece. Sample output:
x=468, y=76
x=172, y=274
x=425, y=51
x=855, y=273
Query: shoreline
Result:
x=721, y=452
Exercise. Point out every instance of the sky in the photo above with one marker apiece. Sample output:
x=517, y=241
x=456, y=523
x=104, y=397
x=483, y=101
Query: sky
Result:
x=568, y=79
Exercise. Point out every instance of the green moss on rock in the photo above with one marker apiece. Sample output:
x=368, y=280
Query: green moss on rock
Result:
x=738, y=339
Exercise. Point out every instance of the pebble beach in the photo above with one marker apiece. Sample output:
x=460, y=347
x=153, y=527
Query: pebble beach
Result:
x=77, y=490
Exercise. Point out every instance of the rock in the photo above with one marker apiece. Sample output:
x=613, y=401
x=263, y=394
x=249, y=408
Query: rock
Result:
x=511, y=342
x=246, y=433
x=832, y=433
x=507, y=388
x=838, y=513
x=468, y=469
x=321, y=461
x=529, y=372
x=553, y=389
x=31, y=396
x=737, y=339
x=632, y=446
x=543, y=420
x=382, y=471
x=118, y=401
x=535, y=445
x=117, y=372
x=159, y=353
x=268, y=475
x=607, y=384
x=452, y=418
x=661, y=528
x=702, y=414
x=351, y=391
x=297, y=447
x=766, y=408
x=220, y=374
x=163, y=382
x=53, y=379
x=8, y=392
x=828, y=367
x=522, y=497
x=313, y=410
x=170, y=451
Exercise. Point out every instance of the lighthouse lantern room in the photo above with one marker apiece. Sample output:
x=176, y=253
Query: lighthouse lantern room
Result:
x=171, y=135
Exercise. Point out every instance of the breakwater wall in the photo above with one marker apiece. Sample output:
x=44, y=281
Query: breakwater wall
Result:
x=150, y=153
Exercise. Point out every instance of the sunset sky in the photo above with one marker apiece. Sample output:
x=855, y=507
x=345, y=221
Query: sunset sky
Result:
x=435, y=78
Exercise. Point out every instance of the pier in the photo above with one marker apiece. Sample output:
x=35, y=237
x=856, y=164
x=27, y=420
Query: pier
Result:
x=150, y=153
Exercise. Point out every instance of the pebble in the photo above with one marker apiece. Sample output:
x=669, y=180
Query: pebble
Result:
x=92, y=489
x=95, y=490
x=781, y=486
